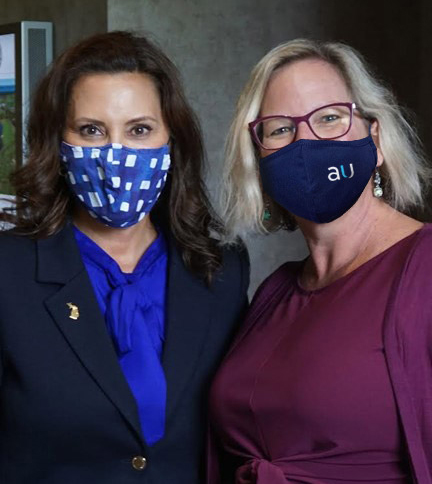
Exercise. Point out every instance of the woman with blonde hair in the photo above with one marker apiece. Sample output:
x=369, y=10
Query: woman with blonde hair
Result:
x=330, y=378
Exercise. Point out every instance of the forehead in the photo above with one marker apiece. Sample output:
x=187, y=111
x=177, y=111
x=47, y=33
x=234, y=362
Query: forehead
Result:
x=119, y=88
x=302, y=86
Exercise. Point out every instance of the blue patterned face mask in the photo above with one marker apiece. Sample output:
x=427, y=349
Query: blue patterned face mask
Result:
x=116, y=184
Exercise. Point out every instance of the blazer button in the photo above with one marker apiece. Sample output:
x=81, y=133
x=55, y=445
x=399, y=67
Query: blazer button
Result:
x=139, y=463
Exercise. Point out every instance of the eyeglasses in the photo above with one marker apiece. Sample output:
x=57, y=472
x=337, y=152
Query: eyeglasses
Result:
x=327, y=122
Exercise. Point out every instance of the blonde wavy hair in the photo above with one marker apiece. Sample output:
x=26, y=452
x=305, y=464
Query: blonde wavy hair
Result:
x=404, y=173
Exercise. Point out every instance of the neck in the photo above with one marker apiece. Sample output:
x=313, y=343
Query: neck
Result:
x=125, y=246
x=337, y=248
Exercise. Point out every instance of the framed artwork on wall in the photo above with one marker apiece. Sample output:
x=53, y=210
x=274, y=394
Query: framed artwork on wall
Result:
x=26, y=49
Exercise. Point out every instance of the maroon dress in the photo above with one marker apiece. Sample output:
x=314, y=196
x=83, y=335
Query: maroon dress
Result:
x=305, y=396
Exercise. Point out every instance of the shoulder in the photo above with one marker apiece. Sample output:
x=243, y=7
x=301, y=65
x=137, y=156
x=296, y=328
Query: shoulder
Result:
x=235, y=257
x=14, y=247
x=230, y=279
x=280, y=278
x=412, y=292
x=18, y=265
x=268, y=296
x=424, y=236
x=27, y=257
x=235, y=269
x=408, y=327
x=419, y=261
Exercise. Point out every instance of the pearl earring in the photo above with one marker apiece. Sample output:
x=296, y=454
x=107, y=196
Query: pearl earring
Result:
x=377, y=191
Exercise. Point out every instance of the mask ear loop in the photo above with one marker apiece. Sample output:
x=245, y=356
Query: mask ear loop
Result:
x=62, y=170
x=170, y=143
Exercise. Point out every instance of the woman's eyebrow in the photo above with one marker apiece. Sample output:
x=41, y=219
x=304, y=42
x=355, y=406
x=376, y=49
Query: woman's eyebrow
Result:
x=88, y=120
x=142, y=118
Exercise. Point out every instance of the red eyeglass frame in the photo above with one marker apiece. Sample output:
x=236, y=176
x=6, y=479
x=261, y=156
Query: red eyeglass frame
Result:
x=299, y=119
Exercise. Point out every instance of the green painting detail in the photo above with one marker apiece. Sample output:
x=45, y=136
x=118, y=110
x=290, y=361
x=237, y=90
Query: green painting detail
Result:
x=7, y=141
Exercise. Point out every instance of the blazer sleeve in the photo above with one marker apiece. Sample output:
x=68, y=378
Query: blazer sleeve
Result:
x=1, y=366
x=245, y=279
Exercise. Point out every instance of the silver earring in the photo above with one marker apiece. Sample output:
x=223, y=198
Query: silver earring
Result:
x=377, y=191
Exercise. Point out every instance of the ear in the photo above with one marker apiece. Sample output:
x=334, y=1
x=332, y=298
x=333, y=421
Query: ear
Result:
x=375, y=136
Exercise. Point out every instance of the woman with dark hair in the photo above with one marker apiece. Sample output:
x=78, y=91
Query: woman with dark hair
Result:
x=116, y=299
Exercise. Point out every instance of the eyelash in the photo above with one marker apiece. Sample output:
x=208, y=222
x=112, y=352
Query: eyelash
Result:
x=148, y=129
x=84, y=130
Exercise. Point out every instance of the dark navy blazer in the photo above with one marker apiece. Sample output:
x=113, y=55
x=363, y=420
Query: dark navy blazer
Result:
x=67, y=415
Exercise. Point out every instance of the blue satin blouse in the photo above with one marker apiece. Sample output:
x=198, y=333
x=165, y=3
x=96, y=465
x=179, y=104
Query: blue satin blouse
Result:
x=134, y=309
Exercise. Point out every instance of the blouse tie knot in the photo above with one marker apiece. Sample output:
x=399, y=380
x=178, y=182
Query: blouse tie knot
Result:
x=260, y=471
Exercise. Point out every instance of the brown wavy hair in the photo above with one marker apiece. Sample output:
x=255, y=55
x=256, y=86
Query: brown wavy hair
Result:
x=44, y=201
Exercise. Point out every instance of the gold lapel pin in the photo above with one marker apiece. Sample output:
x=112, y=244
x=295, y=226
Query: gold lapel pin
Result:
x=74, y=311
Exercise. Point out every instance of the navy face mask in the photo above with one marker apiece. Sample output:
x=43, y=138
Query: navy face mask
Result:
x=319, y=180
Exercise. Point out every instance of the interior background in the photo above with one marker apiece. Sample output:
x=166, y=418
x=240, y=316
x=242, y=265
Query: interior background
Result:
x=215, y=45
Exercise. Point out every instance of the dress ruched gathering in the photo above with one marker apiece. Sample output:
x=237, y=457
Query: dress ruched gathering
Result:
x=305, y=396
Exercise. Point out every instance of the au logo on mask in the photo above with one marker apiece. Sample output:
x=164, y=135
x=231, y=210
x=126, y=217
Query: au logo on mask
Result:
x=335, y=175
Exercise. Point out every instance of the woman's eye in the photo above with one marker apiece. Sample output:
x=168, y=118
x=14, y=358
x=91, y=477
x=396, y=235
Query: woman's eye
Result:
x=90, y=130
x=141, y=130
x=329, y=118
x=282, y=130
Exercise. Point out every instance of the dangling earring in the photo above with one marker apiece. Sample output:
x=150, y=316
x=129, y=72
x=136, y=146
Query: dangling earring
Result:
x=377, y=191
x=267, y=213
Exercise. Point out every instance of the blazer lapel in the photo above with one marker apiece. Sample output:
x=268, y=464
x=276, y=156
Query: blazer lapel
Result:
x=76, y=312
x=187, y=324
